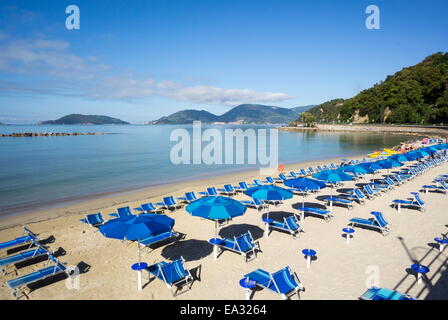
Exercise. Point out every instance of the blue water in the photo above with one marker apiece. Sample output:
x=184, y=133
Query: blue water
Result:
x=37, y=171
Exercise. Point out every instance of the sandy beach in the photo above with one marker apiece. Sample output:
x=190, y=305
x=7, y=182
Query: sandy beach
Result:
x=341, y=271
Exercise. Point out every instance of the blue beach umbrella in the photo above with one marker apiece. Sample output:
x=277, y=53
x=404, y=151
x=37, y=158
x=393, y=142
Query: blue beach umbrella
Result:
x=304, y=184
x=269, y=193
x=402, y=157
x=371, y=165
x=389, y=163
x=332, y=176
x=216, y=208
x=137, y=227
x=357, y=169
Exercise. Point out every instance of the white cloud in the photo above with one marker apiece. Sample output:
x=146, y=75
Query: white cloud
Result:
x=75, y=75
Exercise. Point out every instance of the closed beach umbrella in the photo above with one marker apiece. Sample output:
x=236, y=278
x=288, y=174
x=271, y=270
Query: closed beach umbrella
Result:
x=137, y=227
x=216, y=208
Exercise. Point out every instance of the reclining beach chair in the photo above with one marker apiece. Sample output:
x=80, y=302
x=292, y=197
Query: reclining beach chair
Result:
x=356, y=195
x=303, y=172
x=241, y=187
x=442, y=186
x=166, y=236
x=311, y=170
x=189, y=197
x=93, y=219
x=258, y=182
x=122, y=212
x=369, y=192
x=326, y=214
x=284, y=282
x=376, y=293
x=339, y=200
x=148, y=208
x=333, y=166
x=256, y=203
x=415, y=202
x=18, y=284
x=212, y=191
x=319, y=168
x=377, y=222
x=290, y=224
x=172, y=274
x=169, y=203
x=28, y=237
x=325, y=167
x=281, y=178
x=243, y=244
x=228, y=190
x=292, y=174
x=269, y=180
x=36, y=252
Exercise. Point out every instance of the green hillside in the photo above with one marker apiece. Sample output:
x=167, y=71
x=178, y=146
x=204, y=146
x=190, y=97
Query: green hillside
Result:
x=85, y=119
x=414, y=95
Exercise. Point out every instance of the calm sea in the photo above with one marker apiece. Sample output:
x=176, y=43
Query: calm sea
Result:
x=38, y=171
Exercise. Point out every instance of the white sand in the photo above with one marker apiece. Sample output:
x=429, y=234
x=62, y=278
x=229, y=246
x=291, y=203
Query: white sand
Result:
x=340, y=272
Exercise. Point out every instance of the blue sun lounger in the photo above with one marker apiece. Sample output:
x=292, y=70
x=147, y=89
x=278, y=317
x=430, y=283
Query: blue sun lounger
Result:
x=290, y=224
x=243, y=244
x=122, y=212
x=339, y=200
x=148, y=208
x=356, y=195
x=269, y=180
x=376, y=293
x=326, y=214
x=256, y=203
x=27, y=238
x=93, y=219
x=169, y=203
x=415, y=202
x=283, y=282
x=370, y=192
x=189, y=197
x=242, y=186
x=171, y=273
x=212, y=191
x=16, y=285
x=228, y=190
x=377, y=222
x=170, y=235
x=311, y=170
x=442, y=186
x=21, y=257
x=303, y=172
x=258, y=182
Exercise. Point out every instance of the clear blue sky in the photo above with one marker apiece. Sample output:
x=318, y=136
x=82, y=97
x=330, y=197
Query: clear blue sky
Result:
x=139, y=60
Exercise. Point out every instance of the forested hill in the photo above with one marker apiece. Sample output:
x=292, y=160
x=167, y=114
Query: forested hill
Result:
x=414, y=95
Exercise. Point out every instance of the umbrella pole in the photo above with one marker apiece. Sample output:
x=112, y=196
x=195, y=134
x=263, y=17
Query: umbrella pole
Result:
x=215, y=247
x=139, y=273
x=266, y=231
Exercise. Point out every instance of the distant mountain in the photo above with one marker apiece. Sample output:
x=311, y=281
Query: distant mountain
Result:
x=188, y=116
x=414, y=95
x=85, y=119
x=302, y=109
x=244, y=113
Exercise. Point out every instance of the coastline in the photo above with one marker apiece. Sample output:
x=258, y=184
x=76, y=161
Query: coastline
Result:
x=368, y=128
x=107, y=202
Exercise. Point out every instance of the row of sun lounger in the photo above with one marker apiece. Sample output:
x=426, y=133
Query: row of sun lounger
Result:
x=33, y=250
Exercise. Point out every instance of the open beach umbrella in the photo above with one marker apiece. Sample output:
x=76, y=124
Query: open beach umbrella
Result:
x=371, y=165
x=332, y=176
x=357, y=169
x=268, y=193
x=304, y=185
x=402, y=157
x=389, y=163
x=216, y=208
x=137, y=227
